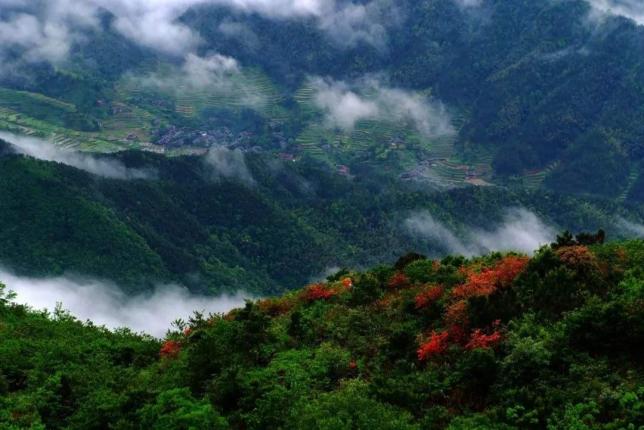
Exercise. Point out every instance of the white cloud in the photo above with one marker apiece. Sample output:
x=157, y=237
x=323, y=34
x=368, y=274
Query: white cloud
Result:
x=47, y=151
x=469, y=3
x=196, y=73
x=46, y=30
x=105, y=304
x=424, y=225
x=520, y=230
x=345, y=104
x=229, y=164
x=631, y=9
x=213, y=74
x=630, y=228
x=153, y=24
x=35, y=31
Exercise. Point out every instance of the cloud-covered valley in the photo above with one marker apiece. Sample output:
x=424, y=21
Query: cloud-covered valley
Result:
x=519, y=230
x=105, y=304
x=45, y=150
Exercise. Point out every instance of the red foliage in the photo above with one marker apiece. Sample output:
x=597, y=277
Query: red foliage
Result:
x=509, y=268
x=399, y=280
x=576, y=256
x=429, y=296
x=170, y=349
x=456, y=313
x=480, y=340
x=457, y=334
x=276, y=306
x=435, y=345
x=318, y=292
x=487, y=281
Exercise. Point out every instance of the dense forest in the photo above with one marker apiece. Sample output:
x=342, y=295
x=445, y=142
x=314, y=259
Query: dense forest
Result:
x=496, y=342
x=221, y=235
x=385, y=179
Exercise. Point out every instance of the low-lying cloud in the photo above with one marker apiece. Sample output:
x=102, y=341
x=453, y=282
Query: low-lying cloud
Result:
x=229, y=164
x=46, y=30
x=631, y=9
x=630, y=228
x=45, y=150
x=105, y=304
x=520, y=230
x=344, y=105
x=33, y=31
x=213, y=74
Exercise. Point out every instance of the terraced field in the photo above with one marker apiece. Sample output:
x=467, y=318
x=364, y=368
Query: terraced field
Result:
x=375, y=138
x=248, y=89
x=14, y=120
x=533, y=180
x=38, y=106
x=129, y=121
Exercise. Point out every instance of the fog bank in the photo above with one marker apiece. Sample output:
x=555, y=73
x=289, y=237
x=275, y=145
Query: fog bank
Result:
x=519, y=230
x=344, y=104
x=45, y=150
x=105, y=304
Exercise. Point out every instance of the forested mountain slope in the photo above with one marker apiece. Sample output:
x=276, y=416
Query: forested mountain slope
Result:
x=291, y=224
x=529, y=94
x=496, y=342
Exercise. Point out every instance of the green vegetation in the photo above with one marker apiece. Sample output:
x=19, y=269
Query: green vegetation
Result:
x=181, y=225
x=540, y=97
x=497, y=342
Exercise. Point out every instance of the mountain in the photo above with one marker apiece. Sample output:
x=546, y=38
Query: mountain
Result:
x=286, y=224
x=208, y=142
x=527, y=94
x=501, y=341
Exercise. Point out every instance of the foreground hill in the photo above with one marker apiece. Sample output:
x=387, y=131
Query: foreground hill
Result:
x=498, y=342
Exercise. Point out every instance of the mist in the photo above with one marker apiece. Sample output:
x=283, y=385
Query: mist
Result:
x=345, y=104
x=631, y=9
x=630, y=228
x=210, y=74
x=47, y=30
x=229, y=164
x=105, y=304
x=47, y=151
x=519, y=230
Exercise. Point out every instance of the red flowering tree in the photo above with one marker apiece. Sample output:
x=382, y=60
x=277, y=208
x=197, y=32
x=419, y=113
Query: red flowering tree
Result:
x=347, y=283
x=456, y=313
x=487, y=281
x=480, y=340
x=435, y=345
x=429, y=296
x=276, y=306
x=399, y=280
x=318, y=292
x=577, y=256
x=170, y=349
